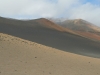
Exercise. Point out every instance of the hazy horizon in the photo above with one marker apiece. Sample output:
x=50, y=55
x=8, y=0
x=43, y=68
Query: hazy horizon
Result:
x=70, y=9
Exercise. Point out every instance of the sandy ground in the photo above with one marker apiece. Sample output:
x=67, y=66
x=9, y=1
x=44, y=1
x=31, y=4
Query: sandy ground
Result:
x=22, y=57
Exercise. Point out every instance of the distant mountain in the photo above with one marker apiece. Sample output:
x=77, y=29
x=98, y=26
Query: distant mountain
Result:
x=78, y=25
x=81, y=27
x=48, y=33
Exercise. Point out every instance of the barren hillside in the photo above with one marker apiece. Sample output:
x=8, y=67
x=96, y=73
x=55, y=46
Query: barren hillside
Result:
x=22, y=57
x=47, y=33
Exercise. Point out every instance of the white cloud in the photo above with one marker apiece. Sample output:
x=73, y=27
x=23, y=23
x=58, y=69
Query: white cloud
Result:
x=87, y=12
x=50, y=8
x=40, y=8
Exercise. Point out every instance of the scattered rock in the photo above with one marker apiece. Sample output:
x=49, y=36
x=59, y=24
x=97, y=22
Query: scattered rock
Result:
x=35, y=57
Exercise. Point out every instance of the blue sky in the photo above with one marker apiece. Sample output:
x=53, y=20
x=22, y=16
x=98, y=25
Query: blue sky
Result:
x=71, y=9
x=96, y=2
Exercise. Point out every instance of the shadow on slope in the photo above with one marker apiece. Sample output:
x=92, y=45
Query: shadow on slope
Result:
x=53, y=36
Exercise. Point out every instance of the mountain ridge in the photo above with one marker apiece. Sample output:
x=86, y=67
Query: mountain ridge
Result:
x=41, y=32
x=76, y=24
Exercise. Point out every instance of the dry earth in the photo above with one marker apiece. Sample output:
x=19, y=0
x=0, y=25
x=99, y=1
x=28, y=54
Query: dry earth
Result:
x=22, y=57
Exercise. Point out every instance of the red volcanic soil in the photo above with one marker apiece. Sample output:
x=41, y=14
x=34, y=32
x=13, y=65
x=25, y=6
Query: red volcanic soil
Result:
x=89, y=35
x=49, y=24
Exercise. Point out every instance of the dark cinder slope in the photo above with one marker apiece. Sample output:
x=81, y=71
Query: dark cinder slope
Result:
x=47, y=33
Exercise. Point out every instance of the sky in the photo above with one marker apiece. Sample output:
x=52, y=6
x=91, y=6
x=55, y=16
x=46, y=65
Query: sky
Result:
x=70, y=9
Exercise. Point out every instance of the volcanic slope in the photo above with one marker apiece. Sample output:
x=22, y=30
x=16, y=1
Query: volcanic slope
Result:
x=22, y=57
x=47, y=33
x=85, y=28
x=81, y=27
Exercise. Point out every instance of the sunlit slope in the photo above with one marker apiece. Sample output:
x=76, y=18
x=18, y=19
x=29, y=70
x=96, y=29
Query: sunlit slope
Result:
x=22, y=57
